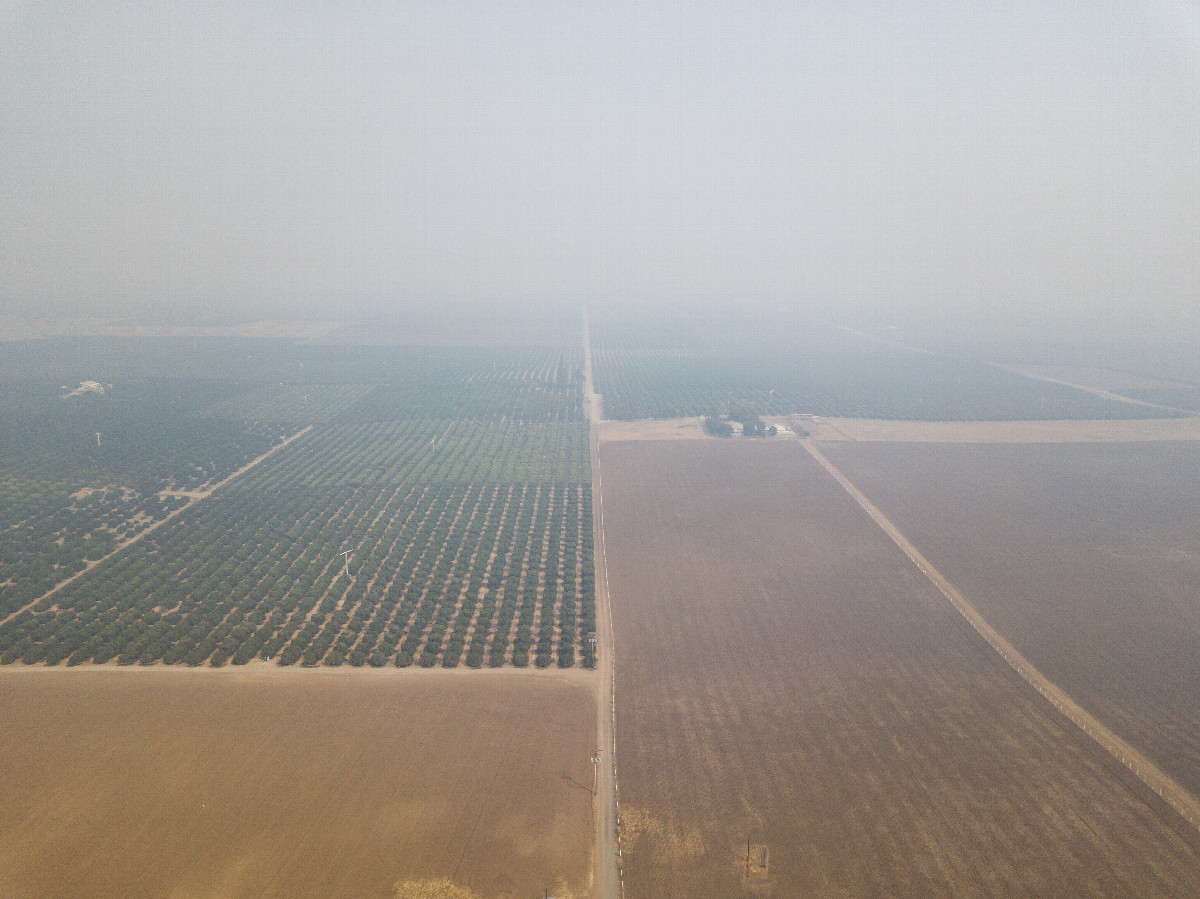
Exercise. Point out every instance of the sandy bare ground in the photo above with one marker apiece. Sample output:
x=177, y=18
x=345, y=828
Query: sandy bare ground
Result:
x=1118, y=431
x=1085, y=556
x=651, y=429
x=276, y=782
x=193, y=496
x=609, y=881
x=29, y=329
x=789, y=678
x=1151, y=775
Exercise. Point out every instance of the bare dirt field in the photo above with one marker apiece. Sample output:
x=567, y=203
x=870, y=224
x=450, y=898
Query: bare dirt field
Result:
x=1086, y=557
x=651, y=429
x=270, y=782
x=788, y=683
x=871, y=430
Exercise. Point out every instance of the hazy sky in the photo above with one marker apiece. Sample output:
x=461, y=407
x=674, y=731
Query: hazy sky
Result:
x=1012, y=158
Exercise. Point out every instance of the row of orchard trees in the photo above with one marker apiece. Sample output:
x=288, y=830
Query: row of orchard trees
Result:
x=55, y=516
x=852, y=380
x=452, y=561
x=167, y=421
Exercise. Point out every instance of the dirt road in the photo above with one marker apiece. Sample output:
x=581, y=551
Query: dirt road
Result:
x=608, y=882
x=593, y=401
x=194, y=497
x=1153, y=777
x=1095, y=391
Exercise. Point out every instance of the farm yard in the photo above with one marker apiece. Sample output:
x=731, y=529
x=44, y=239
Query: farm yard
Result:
x=270, y=782
x=800, y=713
x=1084, y=556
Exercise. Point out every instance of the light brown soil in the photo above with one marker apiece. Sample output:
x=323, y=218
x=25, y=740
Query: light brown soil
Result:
x=650, y=429
x=788, y=678
x=863, y=429
x=1120, y=749
x=1087, y=558
x=277, y=782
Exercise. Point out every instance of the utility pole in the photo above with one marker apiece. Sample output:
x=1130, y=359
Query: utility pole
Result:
x=97, y=438
x=347, y=555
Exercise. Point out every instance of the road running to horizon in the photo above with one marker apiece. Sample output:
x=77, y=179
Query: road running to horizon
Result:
x=609, y=882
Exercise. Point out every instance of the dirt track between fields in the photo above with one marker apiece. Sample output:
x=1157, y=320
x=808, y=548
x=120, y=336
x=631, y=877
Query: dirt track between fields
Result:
x=789, y=679
x=608, y=866
x=194, y=497
x=651, y=429
x=880, y=430
x=1040, y=375
x=1153, y=777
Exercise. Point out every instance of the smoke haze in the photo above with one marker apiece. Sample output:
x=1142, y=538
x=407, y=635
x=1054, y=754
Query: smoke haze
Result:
x=986, y=163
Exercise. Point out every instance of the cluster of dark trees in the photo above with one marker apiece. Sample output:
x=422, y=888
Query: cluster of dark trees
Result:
x=444, y=571
x=256, y=572
x=644, y=373
x=715, y=426
x=66, y=498
x=752, y=425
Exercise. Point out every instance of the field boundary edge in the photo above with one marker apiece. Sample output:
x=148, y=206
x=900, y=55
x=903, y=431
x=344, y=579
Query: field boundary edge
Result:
x=609, y=882
x=1182, y=801
x=194, y=497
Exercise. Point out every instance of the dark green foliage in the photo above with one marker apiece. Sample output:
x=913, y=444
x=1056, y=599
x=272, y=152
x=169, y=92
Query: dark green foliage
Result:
x=716, y=364
x=461, y=529
x=66, y=497
x=715, y=427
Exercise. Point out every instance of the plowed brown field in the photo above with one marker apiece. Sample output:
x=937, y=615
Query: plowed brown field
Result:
x=1087, y=558
x=269, y=782
x=788, y=681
